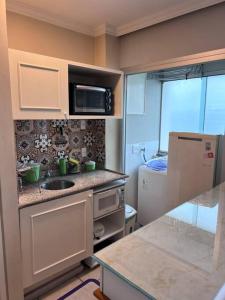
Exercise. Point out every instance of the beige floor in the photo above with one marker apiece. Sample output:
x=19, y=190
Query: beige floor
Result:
x=86, y=293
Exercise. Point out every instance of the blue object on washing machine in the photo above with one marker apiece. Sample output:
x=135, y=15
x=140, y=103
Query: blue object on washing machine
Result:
x=157, y=164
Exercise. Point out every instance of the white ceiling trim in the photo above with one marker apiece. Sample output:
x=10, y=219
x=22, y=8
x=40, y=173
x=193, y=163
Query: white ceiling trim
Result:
x=175, y=11
x=27, y=10
x=168, y=14
x=213, y=55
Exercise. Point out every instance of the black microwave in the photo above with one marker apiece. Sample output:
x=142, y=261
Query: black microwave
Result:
x=90, y=100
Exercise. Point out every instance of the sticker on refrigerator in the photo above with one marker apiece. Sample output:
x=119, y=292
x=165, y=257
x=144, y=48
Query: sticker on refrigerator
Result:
x=209, y=155
x=208, y=146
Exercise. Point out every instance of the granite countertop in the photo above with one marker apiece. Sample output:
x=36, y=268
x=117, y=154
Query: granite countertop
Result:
x=31, y=194
x=179, y=256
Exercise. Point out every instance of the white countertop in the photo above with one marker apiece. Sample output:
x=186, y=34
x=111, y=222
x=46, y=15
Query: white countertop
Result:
x=179, y=256
x=32, y=194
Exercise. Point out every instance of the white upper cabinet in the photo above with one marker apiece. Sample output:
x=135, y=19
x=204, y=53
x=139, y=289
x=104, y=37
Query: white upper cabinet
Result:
x=39, y=86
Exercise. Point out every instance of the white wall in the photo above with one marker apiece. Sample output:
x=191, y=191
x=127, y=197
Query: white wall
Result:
x=193, y=33
x=142, y=131
x=28, y=34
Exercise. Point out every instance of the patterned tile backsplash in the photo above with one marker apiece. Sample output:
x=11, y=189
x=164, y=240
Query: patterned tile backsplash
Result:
x=45, y=141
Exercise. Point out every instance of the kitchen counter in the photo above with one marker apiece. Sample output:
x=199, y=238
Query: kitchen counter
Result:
x=179, y=256
x=31, y=194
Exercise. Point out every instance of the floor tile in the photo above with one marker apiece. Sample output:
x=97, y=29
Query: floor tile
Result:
x=62, y=289
x=90, y=273
x=85, y=293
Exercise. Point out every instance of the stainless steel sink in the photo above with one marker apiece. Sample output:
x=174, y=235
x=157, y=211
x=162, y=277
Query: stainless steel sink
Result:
x=59, y=184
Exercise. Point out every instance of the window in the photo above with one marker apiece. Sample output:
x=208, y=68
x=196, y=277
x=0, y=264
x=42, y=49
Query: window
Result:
x=215, y=105
x=181, y=102
x=192, y=105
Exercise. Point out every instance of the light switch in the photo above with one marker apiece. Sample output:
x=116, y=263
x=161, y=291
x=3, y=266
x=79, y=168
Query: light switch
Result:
x=84, y=152
x=82, y=124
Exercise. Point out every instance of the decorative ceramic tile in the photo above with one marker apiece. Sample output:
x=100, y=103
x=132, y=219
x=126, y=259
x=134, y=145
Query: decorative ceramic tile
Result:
x=45, y=141
x=75, y=125
x=60, y=142
x=24, y=127
x=75, y=139
x=89, y=138
x=59, y=123
x=26, y=159
x=62, y=154
x=41, y=126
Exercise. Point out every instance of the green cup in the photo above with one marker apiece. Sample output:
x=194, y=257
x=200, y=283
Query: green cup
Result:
x=90, y=165
x=63, y=166
x=33, y=174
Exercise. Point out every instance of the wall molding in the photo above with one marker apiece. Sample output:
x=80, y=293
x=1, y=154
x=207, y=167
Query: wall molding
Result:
x=149, y=20
x=105, y=29
x=167, y=14
x=186, y=60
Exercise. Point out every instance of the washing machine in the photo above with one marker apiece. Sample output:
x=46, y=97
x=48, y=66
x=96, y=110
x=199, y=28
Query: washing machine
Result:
x=152, y=194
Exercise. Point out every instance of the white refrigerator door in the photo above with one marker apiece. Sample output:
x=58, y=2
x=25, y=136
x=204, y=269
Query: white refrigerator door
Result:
x=191, y=164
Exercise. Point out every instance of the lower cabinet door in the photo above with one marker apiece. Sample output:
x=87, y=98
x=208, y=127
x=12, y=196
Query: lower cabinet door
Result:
x=55, y=235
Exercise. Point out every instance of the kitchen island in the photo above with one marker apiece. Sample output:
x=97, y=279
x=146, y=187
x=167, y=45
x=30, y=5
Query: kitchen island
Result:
x=180, y=256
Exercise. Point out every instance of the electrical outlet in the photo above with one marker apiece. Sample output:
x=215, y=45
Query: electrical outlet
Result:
x=82, y=124
x=83, y=152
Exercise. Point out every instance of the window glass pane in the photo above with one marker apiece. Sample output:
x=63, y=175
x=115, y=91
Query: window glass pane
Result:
x=181, y=102
x=136, y=93
x=215, y=105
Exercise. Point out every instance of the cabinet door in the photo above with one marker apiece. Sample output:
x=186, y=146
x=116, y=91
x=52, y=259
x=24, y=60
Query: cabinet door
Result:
x=39, y=86
x=55, y=235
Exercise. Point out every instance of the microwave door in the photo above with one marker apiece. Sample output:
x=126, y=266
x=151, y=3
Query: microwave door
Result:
x=105, y=202
x=90, y=99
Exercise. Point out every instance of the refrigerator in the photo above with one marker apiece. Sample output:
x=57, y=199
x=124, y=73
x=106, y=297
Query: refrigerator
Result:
x=195, y=164
x=192, y=162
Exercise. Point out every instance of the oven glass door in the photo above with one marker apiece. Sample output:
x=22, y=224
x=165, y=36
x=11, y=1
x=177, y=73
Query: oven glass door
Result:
x=90, y=99
x=106, y=202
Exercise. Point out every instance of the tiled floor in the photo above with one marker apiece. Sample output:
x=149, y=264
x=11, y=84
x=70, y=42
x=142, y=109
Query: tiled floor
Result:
x=86, y=293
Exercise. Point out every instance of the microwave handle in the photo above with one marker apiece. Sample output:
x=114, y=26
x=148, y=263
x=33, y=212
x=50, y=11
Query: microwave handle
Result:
x=120, y=194
x=90, y=88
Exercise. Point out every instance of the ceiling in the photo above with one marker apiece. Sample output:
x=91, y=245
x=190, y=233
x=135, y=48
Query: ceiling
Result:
x=95, y=17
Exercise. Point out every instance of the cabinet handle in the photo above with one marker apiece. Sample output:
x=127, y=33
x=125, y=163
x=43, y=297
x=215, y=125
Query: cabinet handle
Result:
x=89, y=195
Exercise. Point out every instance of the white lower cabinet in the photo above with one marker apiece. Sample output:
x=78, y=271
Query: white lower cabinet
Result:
x=55, y=235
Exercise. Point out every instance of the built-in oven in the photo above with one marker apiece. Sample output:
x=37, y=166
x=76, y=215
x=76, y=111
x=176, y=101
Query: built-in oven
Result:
x=90, y=100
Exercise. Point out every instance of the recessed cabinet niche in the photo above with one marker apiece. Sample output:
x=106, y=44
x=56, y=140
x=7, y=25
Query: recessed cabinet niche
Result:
x=40, y=85
x=100, y=77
